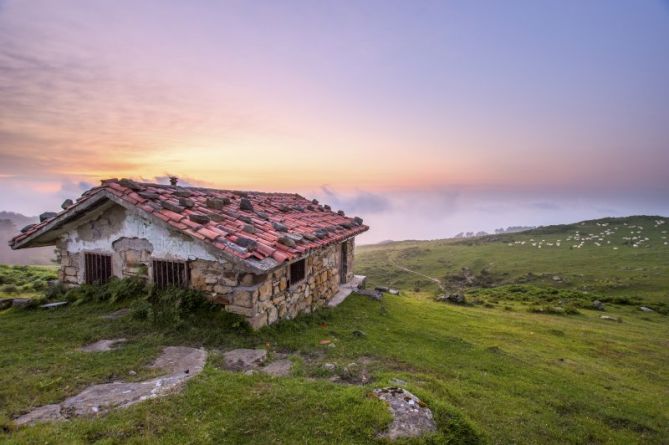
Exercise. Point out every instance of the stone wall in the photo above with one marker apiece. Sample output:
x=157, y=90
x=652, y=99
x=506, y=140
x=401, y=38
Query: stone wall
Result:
x=263, y=299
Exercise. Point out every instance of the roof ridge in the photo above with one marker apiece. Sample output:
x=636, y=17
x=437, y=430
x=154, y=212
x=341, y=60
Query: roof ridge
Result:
x=154, y=184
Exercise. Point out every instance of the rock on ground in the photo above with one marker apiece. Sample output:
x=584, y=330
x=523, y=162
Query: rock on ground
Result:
x=278, y=368
x=411, y=418
x=244, y=359
x=180, y=363
x=102, y=345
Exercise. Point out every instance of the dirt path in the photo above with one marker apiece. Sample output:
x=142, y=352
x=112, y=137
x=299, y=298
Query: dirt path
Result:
x=406, y=269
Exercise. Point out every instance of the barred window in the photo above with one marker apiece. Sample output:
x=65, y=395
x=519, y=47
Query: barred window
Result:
x=170, y=274
x=297, y=272
x=97, y=268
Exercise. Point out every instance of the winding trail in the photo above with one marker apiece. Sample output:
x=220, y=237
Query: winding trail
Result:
x=406, y=269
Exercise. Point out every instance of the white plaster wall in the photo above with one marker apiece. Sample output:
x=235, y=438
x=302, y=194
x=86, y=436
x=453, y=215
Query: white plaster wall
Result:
x=166, y=245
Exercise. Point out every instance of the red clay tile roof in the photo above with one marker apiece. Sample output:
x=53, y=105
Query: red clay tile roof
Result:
x=251, y=226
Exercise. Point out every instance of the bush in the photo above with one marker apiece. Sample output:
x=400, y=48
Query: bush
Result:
x=554, y=310
x=114, y=291
x=140, y=309
x=56, y=291
x=173, y=305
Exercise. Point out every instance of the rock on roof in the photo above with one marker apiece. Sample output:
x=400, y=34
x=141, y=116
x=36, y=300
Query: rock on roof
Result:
x=251, y=226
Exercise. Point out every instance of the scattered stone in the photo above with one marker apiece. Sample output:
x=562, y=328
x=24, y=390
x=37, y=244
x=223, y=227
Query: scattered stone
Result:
x=131, y=372
x=372, y=293
x=556, y=278
x=246, y=243
x=340, y=212
x=21, y=303
x=598, y=305
x=116, y=314
x=263, y=215
x=67, y=204
x=411, y=417
x=392, y=291
x=53, y=305
x=245, y=204
x=246, y=219
x=609, y=318
x=183, y=193
x=244, y=359
x=454, y=298
x=132, y=185
x=180, y=363
x=278, y=368
x=325, y=341
x=200, y=219
x=26, y=228
x=329, y=366
x=358, y=333
x=286, y=241
x=149, y=195
x=279, y=227
x=186, y=202
x=46, y=215
x=357, y=220
x=102, y=345
x=645, y=309
x=173, y=207
x=249, y=228
x=215, y=203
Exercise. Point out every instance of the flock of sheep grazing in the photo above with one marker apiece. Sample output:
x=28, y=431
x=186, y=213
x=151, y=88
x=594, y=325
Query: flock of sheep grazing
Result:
x=635, y=237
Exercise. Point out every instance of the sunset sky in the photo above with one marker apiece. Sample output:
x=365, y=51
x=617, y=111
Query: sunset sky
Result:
x=425, y=118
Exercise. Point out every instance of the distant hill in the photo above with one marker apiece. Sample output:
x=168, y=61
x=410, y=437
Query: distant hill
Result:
x=11, y=223
x=622, y=257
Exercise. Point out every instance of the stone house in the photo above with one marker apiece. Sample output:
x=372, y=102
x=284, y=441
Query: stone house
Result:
x=265, y=256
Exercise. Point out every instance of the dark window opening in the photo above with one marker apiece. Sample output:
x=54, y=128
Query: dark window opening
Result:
x=97, y=268
x=170, y=274
x=297, y=271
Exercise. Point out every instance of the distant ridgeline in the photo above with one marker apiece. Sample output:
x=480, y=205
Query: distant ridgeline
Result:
x=510, y=229
x=10, y=224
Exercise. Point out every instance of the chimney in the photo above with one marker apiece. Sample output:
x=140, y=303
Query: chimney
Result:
x=173, y=180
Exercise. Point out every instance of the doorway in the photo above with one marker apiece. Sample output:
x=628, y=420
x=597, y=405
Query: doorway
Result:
x=343, y=262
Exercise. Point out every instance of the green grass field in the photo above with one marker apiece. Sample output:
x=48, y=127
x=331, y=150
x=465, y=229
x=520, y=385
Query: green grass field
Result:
x=492, y=371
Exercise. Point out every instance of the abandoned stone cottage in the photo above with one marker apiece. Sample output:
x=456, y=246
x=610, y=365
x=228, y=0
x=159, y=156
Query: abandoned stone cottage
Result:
x=265, y=256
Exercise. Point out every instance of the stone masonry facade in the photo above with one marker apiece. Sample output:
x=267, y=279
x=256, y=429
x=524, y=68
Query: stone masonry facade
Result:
x=261, y=299
x=264, y=299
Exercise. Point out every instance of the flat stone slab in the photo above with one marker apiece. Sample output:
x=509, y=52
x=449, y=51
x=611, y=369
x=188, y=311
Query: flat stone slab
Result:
x=411, y=417
x=278, y=368
x=347, y=289
x=55, y=304
x=180, y=363
x=102, y=345
x=244, y=359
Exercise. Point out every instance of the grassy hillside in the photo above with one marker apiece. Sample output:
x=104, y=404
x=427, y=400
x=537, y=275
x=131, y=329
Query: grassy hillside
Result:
x=493, y=371
x=613, y=257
